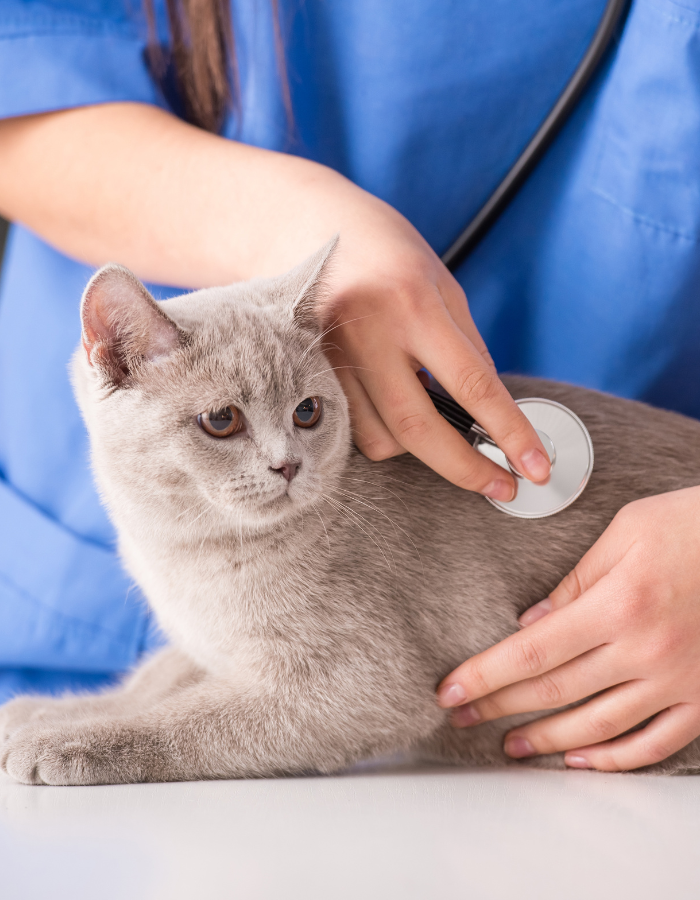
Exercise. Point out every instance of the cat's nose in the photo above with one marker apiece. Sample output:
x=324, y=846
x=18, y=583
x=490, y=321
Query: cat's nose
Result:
x=289, y=469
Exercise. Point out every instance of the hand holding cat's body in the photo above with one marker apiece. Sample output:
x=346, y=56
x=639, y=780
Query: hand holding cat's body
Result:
x=311, y=618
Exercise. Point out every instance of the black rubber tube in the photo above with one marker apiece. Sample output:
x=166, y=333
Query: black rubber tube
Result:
x=4, y=227
x=613, y=16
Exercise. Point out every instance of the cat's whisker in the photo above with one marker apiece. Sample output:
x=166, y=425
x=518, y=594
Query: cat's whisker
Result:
x=337, y=368
x=366, y=502
x=335, y=324
x=129, y=590
x=378, y=484
x=205, y=538
x=197, y=518
x=354, y=516
x=353, y=521
x=318, y=338
x=385, y=477
x=318, y=513
x=188, y=510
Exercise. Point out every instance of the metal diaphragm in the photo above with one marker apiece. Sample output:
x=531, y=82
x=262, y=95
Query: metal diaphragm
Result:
x=571, y=452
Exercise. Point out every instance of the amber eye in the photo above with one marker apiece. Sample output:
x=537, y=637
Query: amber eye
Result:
x=221, y=422
x=308, y=412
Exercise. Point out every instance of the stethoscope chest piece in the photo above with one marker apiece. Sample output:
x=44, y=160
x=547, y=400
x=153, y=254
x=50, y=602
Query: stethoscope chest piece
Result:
x=570, y=449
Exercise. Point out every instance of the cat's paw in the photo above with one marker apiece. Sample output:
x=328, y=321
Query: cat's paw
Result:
x=22, y=711
x=36, y=755
x=68, y=754
x=104, y=751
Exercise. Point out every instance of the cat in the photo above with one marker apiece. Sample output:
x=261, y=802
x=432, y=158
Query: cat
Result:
x=313, y=599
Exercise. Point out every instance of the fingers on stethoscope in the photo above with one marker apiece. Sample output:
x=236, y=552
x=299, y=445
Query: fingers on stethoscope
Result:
x=391, y=413
x=451, y=356
x=593, y=671
x=375, y=440
x=408, y=412
x=667, y=733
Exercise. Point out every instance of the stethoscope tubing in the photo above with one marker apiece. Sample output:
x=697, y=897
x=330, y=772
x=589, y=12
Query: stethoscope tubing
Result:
x=613, y=18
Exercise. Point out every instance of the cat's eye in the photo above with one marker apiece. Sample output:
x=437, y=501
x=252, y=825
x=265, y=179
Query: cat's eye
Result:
x=221, y=423
x=308, y=412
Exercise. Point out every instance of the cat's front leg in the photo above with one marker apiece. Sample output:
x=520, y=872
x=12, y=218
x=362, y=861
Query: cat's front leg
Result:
x=154, y=679
x=209, y=731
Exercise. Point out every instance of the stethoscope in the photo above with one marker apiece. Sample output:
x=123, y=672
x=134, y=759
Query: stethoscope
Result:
x=563, y=434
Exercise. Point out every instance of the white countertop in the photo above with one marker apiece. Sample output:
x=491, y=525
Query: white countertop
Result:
x=383, y=833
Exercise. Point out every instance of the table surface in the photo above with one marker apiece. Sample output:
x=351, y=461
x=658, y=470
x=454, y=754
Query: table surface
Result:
x=382, y=832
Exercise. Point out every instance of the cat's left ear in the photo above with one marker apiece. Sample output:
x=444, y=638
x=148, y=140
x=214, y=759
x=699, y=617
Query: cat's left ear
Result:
x=123, y=326
x=308, y=285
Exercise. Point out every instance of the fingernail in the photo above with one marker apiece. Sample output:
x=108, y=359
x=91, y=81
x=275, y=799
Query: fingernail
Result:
x=538, y=611
x=464, y=715
x=535, y=464
x=518, y=747
x=577, y=762
x=451, y=695
x=500, y=490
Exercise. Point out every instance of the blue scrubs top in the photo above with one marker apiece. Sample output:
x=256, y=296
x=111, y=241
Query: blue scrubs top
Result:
x=591, y=276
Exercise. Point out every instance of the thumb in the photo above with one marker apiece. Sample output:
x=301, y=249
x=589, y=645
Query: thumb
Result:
x=593, y=565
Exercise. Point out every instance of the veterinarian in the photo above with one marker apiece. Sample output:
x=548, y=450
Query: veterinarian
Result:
x=390, y=123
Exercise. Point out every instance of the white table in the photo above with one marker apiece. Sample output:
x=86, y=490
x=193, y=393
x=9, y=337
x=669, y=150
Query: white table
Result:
x=378, y=833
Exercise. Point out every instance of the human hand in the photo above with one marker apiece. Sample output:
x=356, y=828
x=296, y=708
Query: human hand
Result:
x=395, y=308
x=623, y=625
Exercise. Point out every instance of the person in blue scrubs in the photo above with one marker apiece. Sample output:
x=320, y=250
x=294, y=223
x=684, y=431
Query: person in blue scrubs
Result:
x=404, y=118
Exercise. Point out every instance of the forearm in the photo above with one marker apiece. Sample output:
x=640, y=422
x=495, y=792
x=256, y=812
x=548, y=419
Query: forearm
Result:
x=130, y=183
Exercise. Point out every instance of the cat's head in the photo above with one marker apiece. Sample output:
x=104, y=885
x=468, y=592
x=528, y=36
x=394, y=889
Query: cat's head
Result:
x=219, y=405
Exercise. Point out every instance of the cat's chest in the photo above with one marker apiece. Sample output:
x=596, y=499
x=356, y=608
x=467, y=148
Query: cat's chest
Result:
x=216, y=603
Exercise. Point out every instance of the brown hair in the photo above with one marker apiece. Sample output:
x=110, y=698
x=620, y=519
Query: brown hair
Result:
x=203, y=56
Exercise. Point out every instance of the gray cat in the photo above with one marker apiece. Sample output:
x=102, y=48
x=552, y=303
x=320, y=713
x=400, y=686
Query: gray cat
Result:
x=313, y=599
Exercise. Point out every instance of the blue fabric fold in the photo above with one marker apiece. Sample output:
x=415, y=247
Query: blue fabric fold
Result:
x=65, y=602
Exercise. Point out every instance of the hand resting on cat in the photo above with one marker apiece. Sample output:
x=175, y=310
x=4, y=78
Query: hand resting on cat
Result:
x=313, y=599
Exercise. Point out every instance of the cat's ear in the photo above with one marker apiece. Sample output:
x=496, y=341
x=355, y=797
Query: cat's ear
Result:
x=308, y=285
x=123, y=325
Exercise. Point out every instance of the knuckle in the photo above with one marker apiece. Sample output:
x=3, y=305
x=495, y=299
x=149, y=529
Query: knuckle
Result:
x=477, y=385
x=528, y=656
x=544, y=743
x=654, y=751
x=478, y=681
x=600, y=728
x=664, y=645
x=492, y=708
x=607, y=761
x=488, y=359
x=377, y=449
x=626, y=517
x=570, y=586
x=470, y=477
x=413, y=302
x=548, y=691
x=630, y=607
x=414, y=427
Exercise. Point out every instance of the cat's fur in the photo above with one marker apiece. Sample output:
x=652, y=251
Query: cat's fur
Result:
x=309, y=623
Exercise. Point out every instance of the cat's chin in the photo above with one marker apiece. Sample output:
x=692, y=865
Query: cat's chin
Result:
x=271, y=513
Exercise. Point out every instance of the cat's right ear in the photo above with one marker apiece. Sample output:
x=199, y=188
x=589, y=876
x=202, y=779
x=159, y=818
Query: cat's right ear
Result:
x=308, y=285
x=123, y=326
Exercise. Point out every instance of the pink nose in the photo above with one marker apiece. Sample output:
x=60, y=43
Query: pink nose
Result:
x=288, y=469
